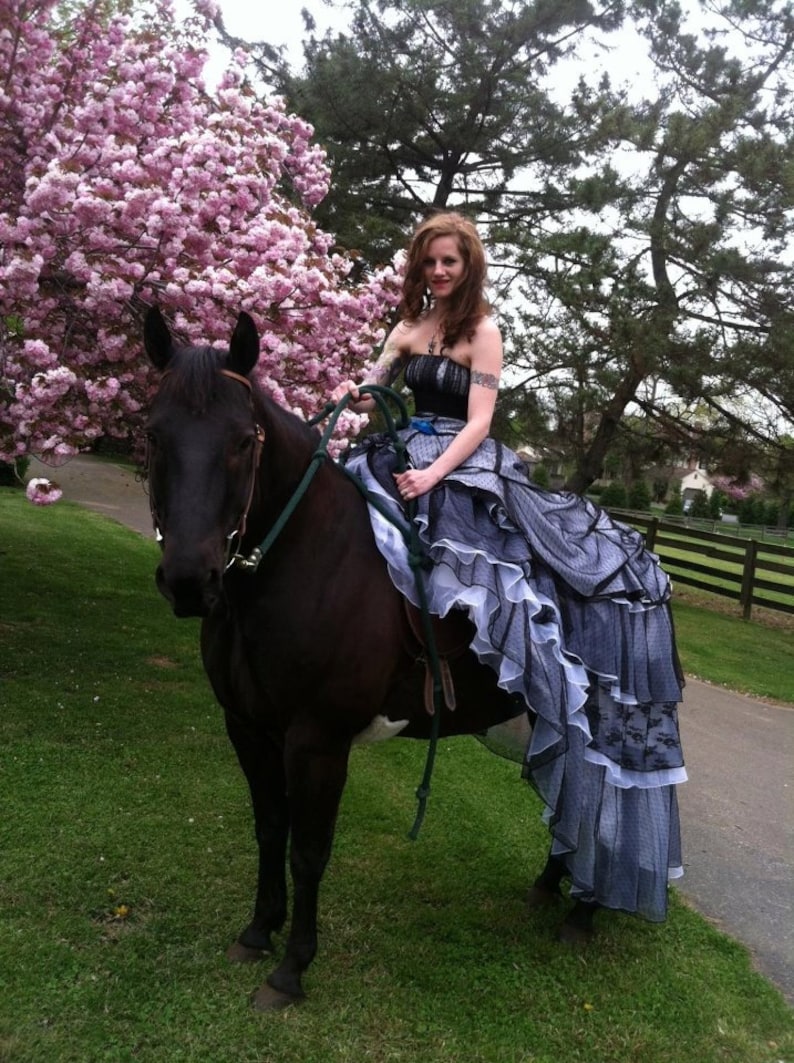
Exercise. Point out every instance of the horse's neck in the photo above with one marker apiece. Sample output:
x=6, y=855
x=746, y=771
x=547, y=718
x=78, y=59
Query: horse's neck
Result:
x=288, y=448
x=325, y=500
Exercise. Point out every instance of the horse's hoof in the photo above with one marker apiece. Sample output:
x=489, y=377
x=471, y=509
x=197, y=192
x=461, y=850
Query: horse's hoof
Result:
x=537, y=897
x=266, y=998
x=575, y=936
x=239, y=953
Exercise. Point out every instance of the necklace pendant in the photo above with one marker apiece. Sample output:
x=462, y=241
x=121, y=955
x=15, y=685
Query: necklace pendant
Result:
x=435, y=339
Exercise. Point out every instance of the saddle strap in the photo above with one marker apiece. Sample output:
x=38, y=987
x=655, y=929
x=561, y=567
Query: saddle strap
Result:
x=452, y=636
x=447, y=686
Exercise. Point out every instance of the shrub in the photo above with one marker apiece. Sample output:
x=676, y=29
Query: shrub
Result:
x=675, y=506
x=639, y=496
x=659, y=490
x=12, y=474
x=700, y=505
x=771, y=514
x=716, y=504
x=614, y=494
x=751, y=510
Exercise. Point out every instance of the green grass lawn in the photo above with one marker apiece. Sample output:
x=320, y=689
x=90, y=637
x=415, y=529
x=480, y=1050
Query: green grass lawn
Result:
x=755, y=657
x=127, y=865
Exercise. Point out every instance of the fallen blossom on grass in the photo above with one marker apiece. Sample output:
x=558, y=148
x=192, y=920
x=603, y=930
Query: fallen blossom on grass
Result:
x=42, y=492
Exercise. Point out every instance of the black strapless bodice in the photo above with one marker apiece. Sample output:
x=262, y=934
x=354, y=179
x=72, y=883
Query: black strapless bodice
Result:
x=439, y=385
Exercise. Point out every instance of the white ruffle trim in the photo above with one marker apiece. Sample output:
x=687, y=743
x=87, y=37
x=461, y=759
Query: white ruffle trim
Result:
x=445, y=592
x=627, y=779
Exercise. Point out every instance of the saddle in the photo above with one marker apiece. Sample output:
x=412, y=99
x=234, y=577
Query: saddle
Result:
x=452, y=635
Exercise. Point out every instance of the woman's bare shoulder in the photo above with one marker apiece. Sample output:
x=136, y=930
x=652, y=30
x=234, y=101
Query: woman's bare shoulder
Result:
x=403, y=335
x=487, y=328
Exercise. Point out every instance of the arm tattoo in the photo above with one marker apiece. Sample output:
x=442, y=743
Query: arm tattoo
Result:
x=388, y=366
x=485, y=380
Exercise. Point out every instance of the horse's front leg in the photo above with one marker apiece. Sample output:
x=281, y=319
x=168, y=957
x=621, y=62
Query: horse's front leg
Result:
x=546, y=887
x=578, y=926
x=262, y=761
x=316, y=767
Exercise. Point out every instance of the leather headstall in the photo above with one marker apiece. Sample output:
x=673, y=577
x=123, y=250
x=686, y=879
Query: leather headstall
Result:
x=239, y=532
x=259, y=439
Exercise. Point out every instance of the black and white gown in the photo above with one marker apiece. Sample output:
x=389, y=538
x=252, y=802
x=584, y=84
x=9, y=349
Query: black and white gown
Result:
x=572, y=612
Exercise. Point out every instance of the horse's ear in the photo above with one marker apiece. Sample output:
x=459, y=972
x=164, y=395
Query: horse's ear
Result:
x=244, y=347
x=156, y=338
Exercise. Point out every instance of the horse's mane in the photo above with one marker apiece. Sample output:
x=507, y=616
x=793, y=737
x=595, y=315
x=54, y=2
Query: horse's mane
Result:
x=194, y=381
x=192, y=378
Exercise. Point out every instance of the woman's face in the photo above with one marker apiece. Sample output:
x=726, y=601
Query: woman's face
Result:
x=444, y=268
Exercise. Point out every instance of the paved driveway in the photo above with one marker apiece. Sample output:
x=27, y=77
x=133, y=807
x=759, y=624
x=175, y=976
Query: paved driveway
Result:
x=737, y=809
x=101, y=485
x=737, y=813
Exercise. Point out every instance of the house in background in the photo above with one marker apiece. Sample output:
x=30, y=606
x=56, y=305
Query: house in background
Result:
x=694, y=480
x=553, y=463
x=691, y=477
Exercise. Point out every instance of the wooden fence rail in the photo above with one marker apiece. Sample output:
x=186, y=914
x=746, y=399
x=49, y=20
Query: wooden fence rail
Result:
x=748, y=571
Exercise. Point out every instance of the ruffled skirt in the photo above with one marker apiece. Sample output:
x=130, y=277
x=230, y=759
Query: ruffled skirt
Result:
x=572, y=613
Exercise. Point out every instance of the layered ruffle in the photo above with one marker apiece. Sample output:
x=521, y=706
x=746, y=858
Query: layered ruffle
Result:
x=572, y=613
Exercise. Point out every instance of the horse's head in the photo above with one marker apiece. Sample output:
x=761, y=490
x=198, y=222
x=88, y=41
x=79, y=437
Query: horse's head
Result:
x=203, y=449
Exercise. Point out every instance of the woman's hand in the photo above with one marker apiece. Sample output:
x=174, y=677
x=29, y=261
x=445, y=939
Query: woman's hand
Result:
x=415, y=482
x=358, y=404
x=348, y=388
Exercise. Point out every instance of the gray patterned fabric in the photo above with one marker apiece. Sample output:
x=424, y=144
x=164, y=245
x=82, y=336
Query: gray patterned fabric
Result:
x=572, y=612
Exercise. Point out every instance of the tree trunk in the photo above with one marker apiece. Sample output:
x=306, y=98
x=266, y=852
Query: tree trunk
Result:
x=591, y=464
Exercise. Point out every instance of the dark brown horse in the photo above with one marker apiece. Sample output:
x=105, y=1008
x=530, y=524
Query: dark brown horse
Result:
x=305, y=652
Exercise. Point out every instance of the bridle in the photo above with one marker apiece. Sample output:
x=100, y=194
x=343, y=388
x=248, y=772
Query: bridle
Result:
x=235, y=537
x=251, y=563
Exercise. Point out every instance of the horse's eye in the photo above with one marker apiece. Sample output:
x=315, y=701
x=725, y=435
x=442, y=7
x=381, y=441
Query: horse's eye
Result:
x=245, y=444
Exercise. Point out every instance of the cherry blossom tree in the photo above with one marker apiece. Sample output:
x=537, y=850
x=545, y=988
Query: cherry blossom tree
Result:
x=125, y=181
x=738, y=490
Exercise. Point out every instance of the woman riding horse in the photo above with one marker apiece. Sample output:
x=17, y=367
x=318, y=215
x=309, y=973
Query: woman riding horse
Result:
x=570, y=610
x=567, y=615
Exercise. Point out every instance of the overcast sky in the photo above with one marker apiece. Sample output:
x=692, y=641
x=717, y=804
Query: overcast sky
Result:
x=276, y=23
x=281, y=24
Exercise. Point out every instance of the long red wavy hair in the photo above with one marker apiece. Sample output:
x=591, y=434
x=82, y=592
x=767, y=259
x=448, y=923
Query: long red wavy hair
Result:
x=468, y=304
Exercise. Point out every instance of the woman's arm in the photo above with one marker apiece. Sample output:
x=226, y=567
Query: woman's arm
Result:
x=384, y=372
x=486, y=368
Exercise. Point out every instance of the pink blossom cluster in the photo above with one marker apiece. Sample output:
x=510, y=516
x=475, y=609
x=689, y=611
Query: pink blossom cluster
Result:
x=124, y=181
x=42, y=492
x=738, y=490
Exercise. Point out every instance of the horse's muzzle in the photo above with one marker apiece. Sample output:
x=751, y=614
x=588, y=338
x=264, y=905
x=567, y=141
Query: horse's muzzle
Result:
x=190, y=594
